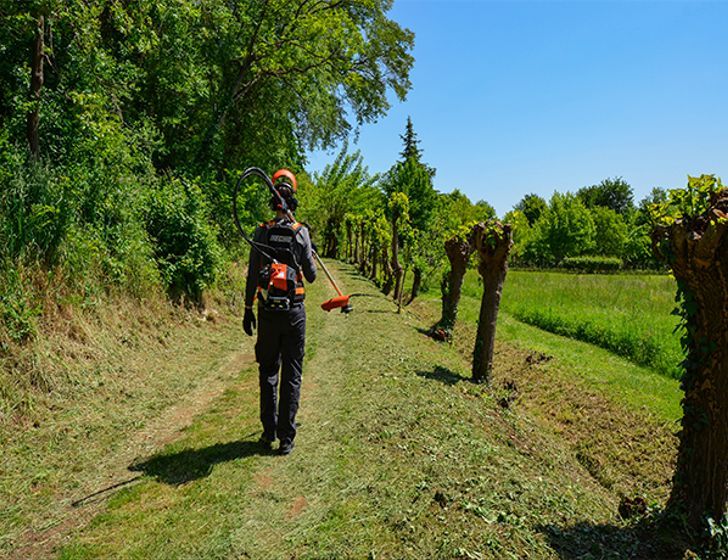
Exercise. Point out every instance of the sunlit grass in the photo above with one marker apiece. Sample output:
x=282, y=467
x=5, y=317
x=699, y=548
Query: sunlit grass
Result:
x=629, y=314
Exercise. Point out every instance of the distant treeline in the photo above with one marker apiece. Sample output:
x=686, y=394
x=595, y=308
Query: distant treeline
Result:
x=597, y=228
x=123, y=126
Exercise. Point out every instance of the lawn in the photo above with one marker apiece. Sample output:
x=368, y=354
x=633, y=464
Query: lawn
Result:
x=628, y=314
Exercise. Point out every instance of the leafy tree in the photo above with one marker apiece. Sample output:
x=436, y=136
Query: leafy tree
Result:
x=413, y=179
x=532, y=207
x=610, y=232
x=615, y=194
x=637, y=252
x=643, y=216
x=344, y=186
x=565, y=229
x=399, y=218
x=482, y=211
x=521, y=234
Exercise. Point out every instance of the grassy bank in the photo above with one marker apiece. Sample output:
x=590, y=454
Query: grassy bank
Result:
x=97, y=386
x=628, y=314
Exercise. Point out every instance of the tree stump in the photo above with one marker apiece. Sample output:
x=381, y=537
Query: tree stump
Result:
x=493, y=241
x=697, y=251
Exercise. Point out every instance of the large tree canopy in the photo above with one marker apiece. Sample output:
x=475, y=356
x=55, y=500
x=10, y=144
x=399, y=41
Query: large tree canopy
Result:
x=216, y=83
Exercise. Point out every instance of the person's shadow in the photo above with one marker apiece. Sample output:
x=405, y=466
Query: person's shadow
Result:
x=190, y=464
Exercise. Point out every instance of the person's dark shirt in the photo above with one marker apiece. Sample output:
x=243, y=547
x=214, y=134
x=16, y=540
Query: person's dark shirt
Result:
x=301, y=251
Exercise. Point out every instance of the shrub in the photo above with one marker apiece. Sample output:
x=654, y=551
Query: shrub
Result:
x=17, y=313
x=592, y=264
x=35, y=213
x=185, y=245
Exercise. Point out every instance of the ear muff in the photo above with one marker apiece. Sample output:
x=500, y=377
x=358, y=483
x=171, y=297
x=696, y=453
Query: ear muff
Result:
x=288, y=175
x=287, y=192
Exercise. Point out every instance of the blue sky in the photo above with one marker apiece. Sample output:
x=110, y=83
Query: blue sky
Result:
x=512, y=97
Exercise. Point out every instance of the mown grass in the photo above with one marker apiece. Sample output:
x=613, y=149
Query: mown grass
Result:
x=628, y=314
x=109, y=374
x=398, y=457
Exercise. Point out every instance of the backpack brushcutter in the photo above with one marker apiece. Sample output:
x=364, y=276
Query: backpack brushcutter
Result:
x=341, y=301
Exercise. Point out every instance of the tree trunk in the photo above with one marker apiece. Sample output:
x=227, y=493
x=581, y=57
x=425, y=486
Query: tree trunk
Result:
x=416, y=283
x=387, y=272
x=36, y=85
x=348, y=241
x=458, y=252
x=373, y=260
x=698, y=255
x=396, y=267
x=363, y=249
x=356, y=245
x=331, y=248
x=493, y=242
x=401, y=292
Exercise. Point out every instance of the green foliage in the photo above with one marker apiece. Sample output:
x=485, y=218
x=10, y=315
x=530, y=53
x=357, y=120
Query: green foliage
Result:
x=36, y=211
x=532, y=206
x=688, y=203
x=637, y=251
x=592, y=264
x=17, y=312
x=399, y=207
x=565, y=229
x=615, y=194
x=413, y=179
x=717, y=538
x=411, y=148
x=343, y=187
x=133, y=92
x=521, y=234
x=599, y=220
x=185, y=245
x=610, y=235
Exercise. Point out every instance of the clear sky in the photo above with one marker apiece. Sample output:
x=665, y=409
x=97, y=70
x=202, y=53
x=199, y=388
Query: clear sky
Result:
x=512, y=97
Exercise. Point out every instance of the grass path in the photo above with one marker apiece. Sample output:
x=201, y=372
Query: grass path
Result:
x=398, y=456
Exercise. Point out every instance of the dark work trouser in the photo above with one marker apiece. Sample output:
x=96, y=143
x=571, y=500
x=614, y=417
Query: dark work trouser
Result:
x=280, y=347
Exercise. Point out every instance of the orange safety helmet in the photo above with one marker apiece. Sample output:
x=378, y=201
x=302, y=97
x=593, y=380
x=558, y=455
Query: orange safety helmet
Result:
x=289, y=175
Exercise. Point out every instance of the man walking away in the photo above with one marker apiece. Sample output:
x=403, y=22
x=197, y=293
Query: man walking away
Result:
x=276, y=272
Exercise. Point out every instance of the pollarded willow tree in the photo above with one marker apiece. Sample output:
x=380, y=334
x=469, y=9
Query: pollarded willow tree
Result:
x=691, y=235
x=398, y=207
x=458, y=250
x=493, y=241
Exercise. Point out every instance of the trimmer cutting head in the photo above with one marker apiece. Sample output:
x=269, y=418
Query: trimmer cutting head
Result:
x=339, y=302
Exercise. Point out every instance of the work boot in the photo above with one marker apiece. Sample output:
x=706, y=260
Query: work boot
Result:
x=285, y=448
x=266, y=443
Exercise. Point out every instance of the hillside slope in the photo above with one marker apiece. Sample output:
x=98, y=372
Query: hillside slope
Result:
x=398, y=456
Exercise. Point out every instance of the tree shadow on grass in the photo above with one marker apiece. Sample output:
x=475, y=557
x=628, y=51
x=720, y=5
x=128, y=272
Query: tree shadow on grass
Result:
x=443, y=375
x=184, y=466
x=645, y=540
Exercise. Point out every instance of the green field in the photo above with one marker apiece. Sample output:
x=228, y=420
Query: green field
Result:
x=628, y=314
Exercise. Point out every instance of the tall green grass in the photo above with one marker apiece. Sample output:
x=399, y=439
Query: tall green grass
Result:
x=627, y=314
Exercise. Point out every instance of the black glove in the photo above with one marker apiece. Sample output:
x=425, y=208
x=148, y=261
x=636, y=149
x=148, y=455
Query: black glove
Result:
x=249, y=322
x=313, y=247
